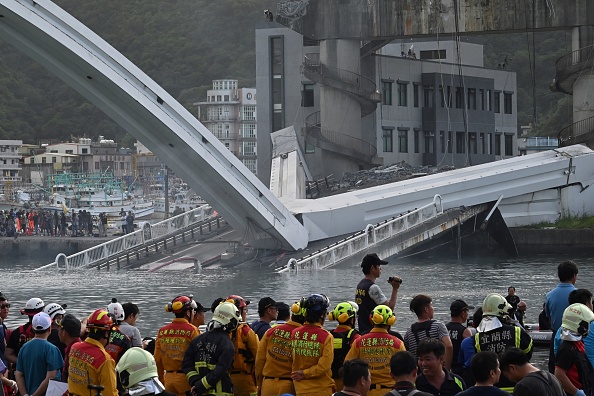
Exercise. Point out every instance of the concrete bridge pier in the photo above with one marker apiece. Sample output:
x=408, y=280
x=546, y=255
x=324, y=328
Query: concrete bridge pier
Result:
x=337, y=108
x=583, y=88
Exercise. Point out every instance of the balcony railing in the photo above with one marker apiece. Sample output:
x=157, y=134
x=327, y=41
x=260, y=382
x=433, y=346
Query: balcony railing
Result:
x=570, y=134
x=575, y=57
x=313, y=127
x=364, y=85
x=570, y=67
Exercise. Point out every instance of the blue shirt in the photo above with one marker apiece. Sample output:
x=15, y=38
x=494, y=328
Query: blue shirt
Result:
x=556, y=302
x=588, y=344
x=467, y=351
x=35, y=359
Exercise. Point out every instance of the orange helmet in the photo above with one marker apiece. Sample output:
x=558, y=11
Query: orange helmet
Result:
x=100, y=320
x=238, y=301
x=180, y=304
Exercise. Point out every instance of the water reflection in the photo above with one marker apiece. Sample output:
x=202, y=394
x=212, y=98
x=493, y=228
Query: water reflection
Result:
x=445, y=279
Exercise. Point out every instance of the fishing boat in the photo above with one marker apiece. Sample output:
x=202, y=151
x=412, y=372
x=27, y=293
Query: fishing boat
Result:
x=95, y=192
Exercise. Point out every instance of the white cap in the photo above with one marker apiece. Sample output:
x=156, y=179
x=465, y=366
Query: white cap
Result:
x=41, y=321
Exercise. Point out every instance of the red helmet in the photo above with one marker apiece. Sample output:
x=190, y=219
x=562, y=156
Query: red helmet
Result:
x=238, y=301
x=180, y=304
x=100, y=319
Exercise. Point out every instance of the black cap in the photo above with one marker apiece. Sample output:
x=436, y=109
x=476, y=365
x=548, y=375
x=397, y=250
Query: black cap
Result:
x=71, y=324
x=199, y=307
x=264, y=303
x=372, y=259
x=458, y=306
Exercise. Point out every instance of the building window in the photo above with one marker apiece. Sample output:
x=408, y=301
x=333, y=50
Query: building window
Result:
x=277, y=61
x=387, y=93
x=249, y=113
x=450, y=140
x=309, y=148
x=433, y=54
x=97, y=167
x=489, y=106
x=442, y=95
x=248, y=130
x=307, y=95
x=460, y=143
x=226, y=98
x=459, y=98
x=428, y=97
x=507, y=103
x=85, y=151
x=43, y=160
x=442, y=141
x=249, y=148
x=497, y=144
x=69, y=151
x=482, y=98
x=402, y=91
x=509, y=145
x=471, y=99
x=416, y=95
x=388, y=139
x=472, y=143
x=403, y=141
x=496, y=102
x=482, y=143
x=429, y=142
x=416, y=138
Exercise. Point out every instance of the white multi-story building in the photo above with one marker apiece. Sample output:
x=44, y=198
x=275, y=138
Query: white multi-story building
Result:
x=10, y=159
x=229, y=113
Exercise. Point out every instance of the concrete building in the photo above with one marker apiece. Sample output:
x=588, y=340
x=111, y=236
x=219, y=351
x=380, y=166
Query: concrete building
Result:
x=95, y=156
x=10, y=161
x=426, y=107
x=230, y=114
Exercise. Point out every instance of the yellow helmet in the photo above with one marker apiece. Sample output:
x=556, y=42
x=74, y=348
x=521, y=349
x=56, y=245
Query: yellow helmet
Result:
x=495, y=305
x=383, y=315
x=343, y=312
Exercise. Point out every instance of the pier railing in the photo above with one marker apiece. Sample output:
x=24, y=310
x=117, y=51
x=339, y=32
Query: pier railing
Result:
x=366, y=239
x=147, y=232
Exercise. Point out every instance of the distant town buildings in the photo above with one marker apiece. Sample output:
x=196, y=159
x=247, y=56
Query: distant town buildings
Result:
x=427, y=103
x=229, y=113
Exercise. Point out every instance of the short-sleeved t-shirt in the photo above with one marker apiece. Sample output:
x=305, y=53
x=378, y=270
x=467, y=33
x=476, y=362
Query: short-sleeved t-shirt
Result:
x=483, y=391
x=437, y=331
x=567, y=359
x=539, y=383
x=35, y=359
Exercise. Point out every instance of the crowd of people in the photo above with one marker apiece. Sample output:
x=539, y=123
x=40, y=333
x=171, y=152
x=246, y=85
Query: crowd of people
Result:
x=290, y=350
x=43, y=222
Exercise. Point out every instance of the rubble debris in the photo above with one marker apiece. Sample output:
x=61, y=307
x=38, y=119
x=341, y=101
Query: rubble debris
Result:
x=370, y=178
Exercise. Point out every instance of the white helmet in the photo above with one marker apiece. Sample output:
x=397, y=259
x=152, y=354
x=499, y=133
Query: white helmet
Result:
x=495, y=305
x=54, y=309
x=116, y=309
x=577, y=318
x=33, y=306
x=227, y=315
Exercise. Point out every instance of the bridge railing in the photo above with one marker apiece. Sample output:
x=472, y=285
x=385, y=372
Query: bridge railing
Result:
x=145, y=234
x=364, y=240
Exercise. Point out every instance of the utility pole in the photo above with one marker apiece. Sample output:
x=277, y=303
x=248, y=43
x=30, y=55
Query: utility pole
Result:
x=166, y=192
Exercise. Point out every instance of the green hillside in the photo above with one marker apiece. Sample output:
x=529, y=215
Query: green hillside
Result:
x=183, y=45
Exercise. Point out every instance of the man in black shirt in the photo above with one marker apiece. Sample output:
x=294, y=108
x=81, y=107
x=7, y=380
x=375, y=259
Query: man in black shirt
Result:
x=356, y=378
x=435, y=378
x=403, y=368
x=530, y=381
x=459, y=312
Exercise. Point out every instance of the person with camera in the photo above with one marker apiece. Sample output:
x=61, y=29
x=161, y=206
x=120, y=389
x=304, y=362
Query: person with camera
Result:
x=369, y=295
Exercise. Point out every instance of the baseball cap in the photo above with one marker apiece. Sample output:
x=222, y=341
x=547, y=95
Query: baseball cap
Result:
x=71, y=325
x=265, y=302
x=41, y=321
x=458, y=306
x=372, y=259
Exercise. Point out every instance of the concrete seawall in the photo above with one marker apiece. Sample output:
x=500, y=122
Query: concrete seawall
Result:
x=553, y=240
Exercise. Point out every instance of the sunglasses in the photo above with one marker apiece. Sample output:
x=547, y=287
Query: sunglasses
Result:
x=5, y=306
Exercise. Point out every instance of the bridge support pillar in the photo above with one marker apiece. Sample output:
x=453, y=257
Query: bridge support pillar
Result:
x=339, y=111
x=583, y=94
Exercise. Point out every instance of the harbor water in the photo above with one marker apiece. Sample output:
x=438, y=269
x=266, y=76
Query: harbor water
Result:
x=443, y=278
